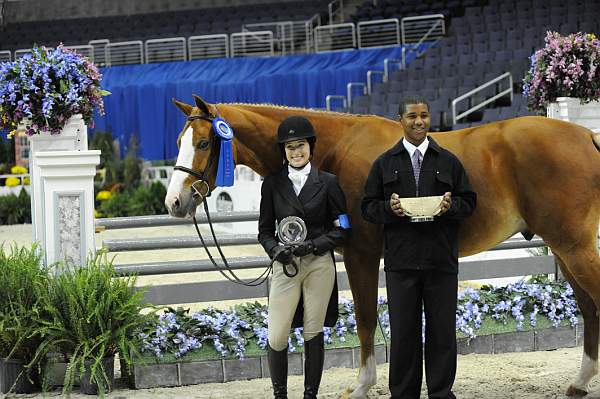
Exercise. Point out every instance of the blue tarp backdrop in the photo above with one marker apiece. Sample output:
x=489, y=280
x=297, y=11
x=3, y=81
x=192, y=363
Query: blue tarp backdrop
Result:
x=140, y=103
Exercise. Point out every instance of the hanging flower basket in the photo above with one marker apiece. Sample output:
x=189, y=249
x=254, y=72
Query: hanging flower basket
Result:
x=42, y=90
x=567, y=66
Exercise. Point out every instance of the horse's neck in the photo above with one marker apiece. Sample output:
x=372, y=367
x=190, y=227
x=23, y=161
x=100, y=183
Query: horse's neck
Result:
x=255, y=129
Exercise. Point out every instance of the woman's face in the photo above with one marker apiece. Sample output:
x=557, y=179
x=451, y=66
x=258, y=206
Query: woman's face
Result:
x=297, y=152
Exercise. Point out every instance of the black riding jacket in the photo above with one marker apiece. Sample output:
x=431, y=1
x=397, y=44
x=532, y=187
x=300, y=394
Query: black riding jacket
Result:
x=424, y=245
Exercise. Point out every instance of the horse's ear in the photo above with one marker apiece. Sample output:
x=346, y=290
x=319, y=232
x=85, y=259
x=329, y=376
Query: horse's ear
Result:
x=185, y=108
x=202, y=105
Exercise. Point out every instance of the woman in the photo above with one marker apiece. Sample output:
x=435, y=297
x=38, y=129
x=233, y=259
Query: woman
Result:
x=310, y=295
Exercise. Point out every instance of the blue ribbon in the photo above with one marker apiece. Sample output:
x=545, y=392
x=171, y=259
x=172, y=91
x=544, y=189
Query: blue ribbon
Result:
x=226, y=166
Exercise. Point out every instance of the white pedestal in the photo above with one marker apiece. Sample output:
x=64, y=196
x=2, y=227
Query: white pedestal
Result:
x=73, y=137
x=65, y=197
x=571, y=110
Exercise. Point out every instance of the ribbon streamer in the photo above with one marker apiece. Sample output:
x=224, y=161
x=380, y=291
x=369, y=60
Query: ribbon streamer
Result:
x=226, y=166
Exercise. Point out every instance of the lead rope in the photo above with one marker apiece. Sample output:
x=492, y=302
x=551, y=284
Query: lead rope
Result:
x=227, y=269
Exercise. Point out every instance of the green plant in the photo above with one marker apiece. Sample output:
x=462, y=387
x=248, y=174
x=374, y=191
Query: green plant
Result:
x=132, y=172
x=23, y=277
x=116, y=206
x=148, y=200
x=15, y=209
x=103, y=141
x=90, y=314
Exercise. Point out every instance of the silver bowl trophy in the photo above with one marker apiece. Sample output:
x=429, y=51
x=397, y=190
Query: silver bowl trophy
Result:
x=422, y=209
x=291, y=231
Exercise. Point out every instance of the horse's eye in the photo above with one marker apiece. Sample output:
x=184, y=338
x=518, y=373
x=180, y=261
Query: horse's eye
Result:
x=202, y=145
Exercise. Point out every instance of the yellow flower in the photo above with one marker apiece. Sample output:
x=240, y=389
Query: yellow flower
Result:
x=26, y=181
x=591, y=36
x=12, y=182
x=11, y=134
x=103, y=195
x=97, y=214
x=18, y=170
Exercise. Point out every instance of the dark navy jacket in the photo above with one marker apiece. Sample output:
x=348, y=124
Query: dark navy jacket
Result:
x=424, y=245
x=319, y=204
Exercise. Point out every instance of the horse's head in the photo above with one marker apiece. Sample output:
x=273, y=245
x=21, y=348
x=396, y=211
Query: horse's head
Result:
x=196, y=167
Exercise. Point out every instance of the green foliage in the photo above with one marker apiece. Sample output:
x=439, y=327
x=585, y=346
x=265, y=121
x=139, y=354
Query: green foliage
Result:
x=90, y=314
x=141, y=201
x=148, y=200
x=15, y=209
x=103, y=141
x=132, y=172
x=23, y=278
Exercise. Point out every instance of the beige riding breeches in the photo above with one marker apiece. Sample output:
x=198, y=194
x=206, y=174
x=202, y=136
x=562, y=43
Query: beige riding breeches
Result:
x=315, y=280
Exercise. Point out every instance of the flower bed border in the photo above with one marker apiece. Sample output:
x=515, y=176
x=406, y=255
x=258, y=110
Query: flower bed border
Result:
x=155, y=375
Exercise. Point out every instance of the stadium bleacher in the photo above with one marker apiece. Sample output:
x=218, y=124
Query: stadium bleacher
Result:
x=481, y=44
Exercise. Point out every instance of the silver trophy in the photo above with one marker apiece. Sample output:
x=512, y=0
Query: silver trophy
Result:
x=422, y=209
x=292, y=230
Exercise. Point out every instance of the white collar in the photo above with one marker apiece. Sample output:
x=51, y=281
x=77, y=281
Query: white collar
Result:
x=410, y=147
x=304, y=171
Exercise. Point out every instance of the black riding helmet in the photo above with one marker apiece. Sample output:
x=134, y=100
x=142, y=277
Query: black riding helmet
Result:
x=295, y=128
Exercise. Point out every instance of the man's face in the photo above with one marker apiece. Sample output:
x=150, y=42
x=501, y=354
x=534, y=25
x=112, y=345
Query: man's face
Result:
x=415, y=121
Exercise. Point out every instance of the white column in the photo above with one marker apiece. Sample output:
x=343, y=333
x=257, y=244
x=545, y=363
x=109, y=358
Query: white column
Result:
x=571, y=110
x=64, y=203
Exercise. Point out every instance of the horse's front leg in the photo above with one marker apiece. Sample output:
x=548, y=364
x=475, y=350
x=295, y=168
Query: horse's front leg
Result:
x=363, y=274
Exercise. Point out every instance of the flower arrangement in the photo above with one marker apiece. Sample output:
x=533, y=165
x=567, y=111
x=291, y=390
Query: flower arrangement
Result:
x=45, y=88
x=567, y=66
x=176, y=332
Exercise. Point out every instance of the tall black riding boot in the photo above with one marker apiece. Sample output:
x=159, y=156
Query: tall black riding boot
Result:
x=278, y=367
x=314, y=353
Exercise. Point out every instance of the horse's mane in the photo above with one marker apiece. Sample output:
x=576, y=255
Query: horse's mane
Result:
x=306, y=110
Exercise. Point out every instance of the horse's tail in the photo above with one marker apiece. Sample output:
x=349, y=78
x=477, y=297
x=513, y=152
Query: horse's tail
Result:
x=596, y=140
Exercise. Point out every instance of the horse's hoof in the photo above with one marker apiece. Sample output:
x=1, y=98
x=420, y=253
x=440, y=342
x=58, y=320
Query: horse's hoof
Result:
x=575, y=392
x=346, y=393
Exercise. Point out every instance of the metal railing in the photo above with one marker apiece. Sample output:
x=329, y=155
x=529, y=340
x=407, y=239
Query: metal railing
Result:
x=331, y=97
x=350, y=91
x=370, y=75
x=501, y=93
x=224, y=290
x=336, y=11
x=99, y=51
x=21, y=52
x=290, y=37
x=283, y=33
x=415, y=30
x=208, y=46
x=165, y=50
x=388, y=62
x=85, y=50
x=125, y=53
x=380, y=33
x=5, y=56
x=245, y=44
x=309, y=27
x=337, y=37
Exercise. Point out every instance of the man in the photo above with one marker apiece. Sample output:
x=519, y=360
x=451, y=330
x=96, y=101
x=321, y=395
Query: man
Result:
x=421, y=259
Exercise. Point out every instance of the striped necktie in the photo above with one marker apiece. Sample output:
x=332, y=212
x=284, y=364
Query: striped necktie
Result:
x=416, y=164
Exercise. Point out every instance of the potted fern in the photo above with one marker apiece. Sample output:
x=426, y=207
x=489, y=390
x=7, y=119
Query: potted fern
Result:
x=90, y=315
x=23, y=278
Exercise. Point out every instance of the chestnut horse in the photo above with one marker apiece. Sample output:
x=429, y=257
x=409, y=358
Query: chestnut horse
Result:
x=531, y=174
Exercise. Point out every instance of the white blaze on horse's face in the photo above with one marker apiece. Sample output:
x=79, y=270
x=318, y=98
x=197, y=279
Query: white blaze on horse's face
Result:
x=179, y=200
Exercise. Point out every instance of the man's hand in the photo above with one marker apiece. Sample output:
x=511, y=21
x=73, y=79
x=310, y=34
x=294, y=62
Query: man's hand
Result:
x=282, y=254
x=395, y=205
x=446, y=202
x=304, y=248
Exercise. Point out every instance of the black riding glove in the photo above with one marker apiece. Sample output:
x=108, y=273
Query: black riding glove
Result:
x=282, y=254
x=304, y=248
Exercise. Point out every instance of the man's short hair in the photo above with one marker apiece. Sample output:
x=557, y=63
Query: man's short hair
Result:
x=410, y=100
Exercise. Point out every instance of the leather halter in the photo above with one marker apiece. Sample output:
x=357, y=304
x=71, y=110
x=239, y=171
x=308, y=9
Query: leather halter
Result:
x=200, y=188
